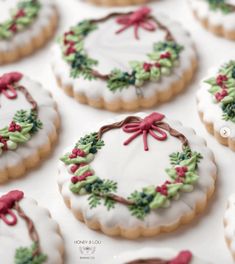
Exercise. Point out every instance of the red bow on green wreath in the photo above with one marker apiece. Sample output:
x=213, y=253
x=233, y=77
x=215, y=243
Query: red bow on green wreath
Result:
x=146, y=126
x=139, y=18
x=7, y=82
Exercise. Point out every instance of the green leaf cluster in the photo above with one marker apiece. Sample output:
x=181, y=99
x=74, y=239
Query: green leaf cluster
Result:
x=26, y=255
x=92, y=139
x=220, y=5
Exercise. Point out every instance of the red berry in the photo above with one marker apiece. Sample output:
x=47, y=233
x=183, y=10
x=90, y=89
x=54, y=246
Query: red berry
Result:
x=166, y=55
x=13, y=28
x=81, y=153
x=74, y=179
x=147, y=66
x=157, y=64
x=20, y=13
x=73, y=156
x=74, y=168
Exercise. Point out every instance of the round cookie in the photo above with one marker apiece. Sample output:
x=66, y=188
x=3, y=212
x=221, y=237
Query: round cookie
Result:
x=25, y=26
x=122, y=185
x=216, y=103
x=27, y=232
x=118, y=2
x=229, y=224
x=216, y=16
x=29, y=123
x=124, y=60
x=156, y=256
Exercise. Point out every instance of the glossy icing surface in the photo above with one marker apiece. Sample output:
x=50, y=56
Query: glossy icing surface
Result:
x=46, y=112
x=116, y=50
x=25, y=37
x=134, y=169
x=13, y=237
x=215, y=17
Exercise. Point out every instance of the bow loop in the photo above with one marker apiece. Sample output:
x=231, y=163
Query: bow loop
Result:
x=139, y=18
x=145, y=126
x=6, y=84
x=6, y=204
x=184, y=257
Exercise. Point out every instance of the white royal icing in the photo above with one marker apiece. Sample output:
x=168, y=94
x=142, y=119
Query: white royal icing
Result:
x=212, y=111
x=133, y=168
x=116, y=50
x=215, y=17
x=14, y=237
x=46, y=113
x=20, y=39
x=146, y=253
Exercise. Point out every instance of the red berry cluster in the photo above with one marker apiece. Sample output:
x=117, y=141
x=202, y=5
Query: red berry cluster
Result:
x=220, y=80
x=77, y=152
x=166, y=55
x=13, y=25
x=148, y=66
x=181, y=171
x=13, y=127
x=83, y=177
x=70, y=44
x=4, y=142
x=163, y=189
x=75, y=167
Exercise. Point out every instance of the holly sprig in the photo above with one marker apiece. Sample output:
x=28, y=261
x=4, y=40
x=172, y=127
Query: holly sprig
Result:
x=24, y=125
x=25, y=255
x=183, y=176
x=222, y=87
x=161, y=61
x=21, y=17
x=220, y=5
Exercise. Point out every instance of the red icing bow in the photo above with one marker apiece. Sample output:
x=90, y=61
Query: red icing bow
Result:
x=184, y=257
x=145, y=126
x=6, y=84
x=7, y=201
x=139, y=18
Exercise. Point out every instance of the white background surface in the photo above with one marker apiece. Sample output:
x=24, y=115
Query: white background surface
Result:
x=205, y=236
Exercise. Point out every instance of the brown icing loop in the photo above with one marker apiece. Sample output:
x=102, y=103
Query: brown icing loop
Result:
x=31, y=228
x=28, y=97
x=137, y=120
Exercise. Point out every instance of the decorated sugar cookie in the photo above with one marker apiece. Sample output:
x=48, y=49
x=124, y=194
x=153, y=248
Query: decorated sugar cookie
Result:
x=124, y=60
x=156, y=256
x=218, y=16
x=28, y=235
x=229, y=224
x=29, y=123
x=137, y=176
x=118, y=2
x=216, y=103
x=25, y=25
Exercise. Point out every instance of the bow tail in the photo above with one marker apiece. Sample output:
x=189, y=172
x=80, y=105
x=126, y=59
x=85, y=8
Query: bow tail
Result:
x=145, y=133
x=132, y=137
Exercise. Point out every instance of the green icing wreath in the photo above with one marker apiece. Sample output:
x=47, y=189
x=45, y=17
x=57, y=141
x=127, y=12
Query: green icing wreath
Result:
x=182, y=174
x=222, y=87
x=161, y=60
x=21, y=17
